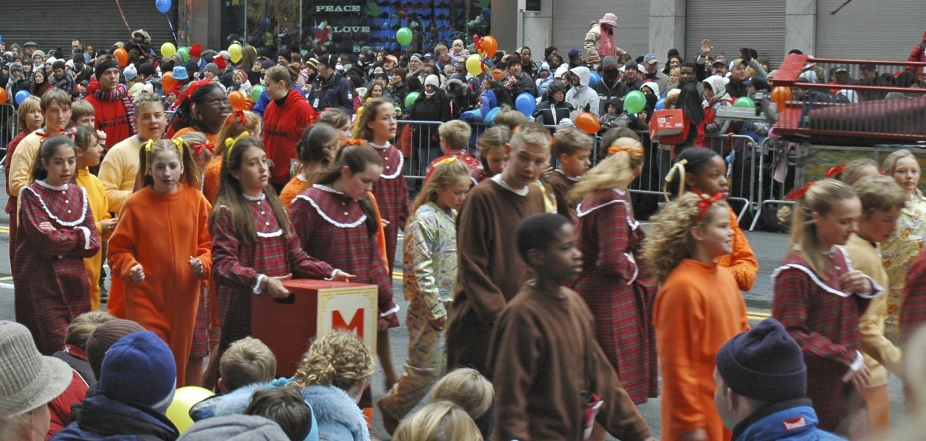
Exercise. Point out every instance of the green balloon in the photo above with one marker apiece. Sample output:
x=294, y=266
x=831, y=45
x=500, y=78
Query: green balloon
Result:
x=745, y=102
x=634, y=102
x=256, y=91
x=410, y=99
x=185, y=53
x=404, y=36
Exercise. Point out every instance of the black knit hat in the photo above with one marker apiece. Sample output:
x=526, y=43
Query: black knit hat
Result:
x=103, y=66
x=764, y=364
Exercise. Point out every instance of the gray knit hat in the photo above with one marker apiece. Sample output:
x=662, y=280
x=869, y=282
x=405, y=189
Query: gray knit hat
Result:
x=27, y=378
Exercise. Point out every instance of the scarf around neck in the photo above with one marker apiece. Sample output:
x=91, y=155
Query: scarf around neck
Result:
x=607, y=45
x=120, y=93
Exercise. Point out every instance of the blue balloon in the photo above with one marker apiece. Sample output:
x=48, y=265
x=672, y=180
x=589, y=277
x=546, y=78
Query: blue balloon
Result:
x=162, y=5
x=21, y=96
x=661, y=104
x=526, y=104
x=595, y=79
x=1, y=39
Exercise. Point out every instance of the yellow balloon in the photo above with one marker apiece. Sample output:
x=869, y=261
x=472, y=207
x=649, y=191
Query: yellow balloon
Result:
x=474, y=64
x=184, y=400
x=235, y=51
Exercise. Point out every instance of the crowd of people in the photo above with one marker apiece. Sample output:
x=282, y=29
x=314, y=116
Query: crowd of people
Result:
x=553, y=310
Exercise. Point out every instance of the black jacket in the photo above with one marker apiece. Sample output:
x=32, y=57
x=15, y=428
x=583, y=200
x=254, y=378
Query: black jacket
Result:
x=549, y=113
x=335, y=92
x=434, y=108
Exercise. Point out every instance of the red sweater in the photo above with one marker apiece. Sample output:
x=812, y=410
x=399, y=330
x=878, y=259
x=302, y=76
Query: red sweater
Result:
x=111, y=117
x=283, y=127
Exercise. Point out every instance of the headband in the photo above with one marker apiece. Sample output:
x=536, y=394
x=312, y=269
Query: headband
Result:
x=800, y=192
x=835, y=171
x=634, y=151
x=705, y=204
x=149, y=145
x=680, y=166
x=237, y=116
x=230, y=142
x=445, y=161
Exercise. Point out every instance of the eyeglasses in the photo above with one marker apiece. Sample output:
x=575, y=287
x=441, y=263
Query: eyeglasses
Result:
x=217, y=103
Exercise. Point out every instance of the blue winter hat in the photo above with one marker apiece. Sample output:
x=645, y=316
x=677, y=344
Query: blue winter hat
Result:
x=573, y=53
x=140, y=369
x=180, y=73
x=764, y=363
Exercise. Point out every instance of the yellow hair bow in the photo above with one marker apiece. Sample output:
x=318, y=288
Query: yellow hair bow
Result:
x=148, y=146
x=179, y=143
x=230, y=142
x=680, y=166
x=445, y=161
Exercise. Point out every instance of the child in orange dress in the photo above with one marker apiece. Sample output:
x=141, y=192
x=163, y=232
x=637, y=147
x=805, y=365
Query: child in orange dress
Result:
x=163, y=277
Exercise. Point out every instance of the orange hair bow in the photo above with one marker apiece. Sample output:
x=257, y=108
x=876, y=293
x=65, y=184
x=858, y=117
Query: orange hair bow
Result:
x=835, y=171
x=705, y=204
x=800, y=192
x=633, y=151
x=353, y=142
x=237, y=116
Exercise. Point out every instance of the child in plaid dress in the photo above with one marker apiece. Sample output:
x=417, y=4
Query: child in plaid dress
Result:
x=819, y=298
x=253, y=244
x=377, y=126
x=430, y=271
x=56, y=232
x=336, y=223
x=163, y=277
x=619, y=295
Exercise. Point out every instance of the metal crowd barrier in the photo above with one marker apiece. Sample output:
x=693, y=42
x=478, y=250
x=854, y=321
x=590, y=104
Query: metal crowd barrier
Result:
x=9, y=127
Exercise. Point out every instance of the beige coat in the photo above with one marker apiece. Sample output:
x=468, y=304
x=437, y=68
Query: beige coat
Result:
x=593, y=42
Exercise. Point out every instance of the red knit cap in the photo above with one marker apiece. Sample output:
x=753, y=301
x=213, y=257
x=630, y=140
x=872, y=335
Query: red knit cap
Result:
x=220, y=63
x=196, y=50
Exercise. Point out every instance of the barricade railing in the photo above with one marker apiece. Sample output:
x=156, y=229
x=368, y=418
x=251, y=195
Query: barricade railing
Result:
x=778, y=176
x=9, y=127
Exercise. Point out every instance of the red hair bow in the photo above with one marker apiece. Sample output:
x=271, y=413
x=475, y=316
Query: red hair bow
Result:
x=800, y=192
x=835, y=171
x=198, y=149
x=237, y=116
x=705, y=204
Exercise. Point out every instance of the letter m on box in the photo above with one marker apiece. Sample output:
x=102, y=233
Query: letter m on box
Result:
x=356, y=324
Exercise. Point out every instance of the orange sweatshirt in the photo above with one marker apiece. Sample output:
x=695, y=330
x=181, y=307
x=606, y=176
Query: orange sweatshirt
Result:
x=167, y=300
x=742, y=261
x=697, y=310
x=212, y=179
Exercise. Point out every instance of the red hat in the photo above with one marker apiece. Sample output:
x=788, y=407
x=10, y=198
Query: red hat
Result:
x=196, y=50
x=220, y=63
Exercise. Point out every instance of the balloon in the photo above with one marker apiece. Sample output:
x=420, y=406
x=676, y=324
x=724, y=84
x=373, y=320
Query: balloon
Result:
x=21, y=96
x=168, y=49
x=184, y=53
x=745, y=102
x=595, y=79
x=256, y=92
x=781, y=96
x=661, y=104
x=237, y=100
x=634, y=102
x=184, y=400
x=167, y=81
x=121, y=56
x=489, y=45
x=404, y=36
x=163, y=6
x=588, y=123
x=1, y=39
x=410, y=99
x=235, y=51
x=474, y=64
x=525, y=103
x=4, y=97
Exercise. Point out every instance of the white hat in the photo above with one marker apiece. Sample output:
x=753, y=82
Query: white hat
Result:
x=560, y=71
x=432, y=80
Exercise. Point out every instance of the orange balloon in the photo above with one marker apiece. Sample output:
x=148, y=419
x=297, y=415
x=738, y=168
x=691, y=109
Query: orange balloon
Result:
x=168, y=81
x=237, y=100
x=489, y=45
x=588, y=123
x=121, y=56
x=4, y=97
x=780, y=96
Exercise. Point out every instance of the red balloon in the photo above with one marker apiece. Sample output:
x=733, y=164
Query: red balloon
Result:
x=237, y=101
x=781, y=95
x=121, y=56
x=168, y=81
x=4, y=97
x=489, y=45
x=588, y=123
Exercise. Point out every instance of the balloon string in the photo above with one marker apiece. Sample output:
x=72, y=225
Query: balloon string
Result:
x=123, y=16
x=171, y=28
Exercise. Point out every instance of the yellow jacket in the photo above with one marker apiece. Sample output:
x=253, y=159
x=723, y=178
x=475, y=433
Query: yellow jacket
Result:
x=99, y=206
x=878, y=351
x=20, y=173
x=118, y=171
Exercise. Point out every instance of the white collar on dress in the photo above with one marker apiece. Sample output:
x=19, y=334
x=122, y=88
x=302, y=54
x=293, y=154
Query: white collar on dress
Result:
x=326, y=188
x=381, y=147
x=254, y=198
x=52, y=187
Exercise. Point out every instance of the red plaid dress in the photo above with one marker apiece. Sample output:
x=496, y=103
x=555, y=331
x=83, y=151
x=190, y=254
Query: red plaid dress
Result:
x=391, y=192
x=825, y=322
x=51, y=282
x=913, y=312
x=332, y=228
x=238, y=264
x=618, y=294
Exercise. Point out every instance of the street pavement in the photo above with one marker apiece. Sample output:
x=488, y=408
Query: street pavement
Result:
x=769, y=249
